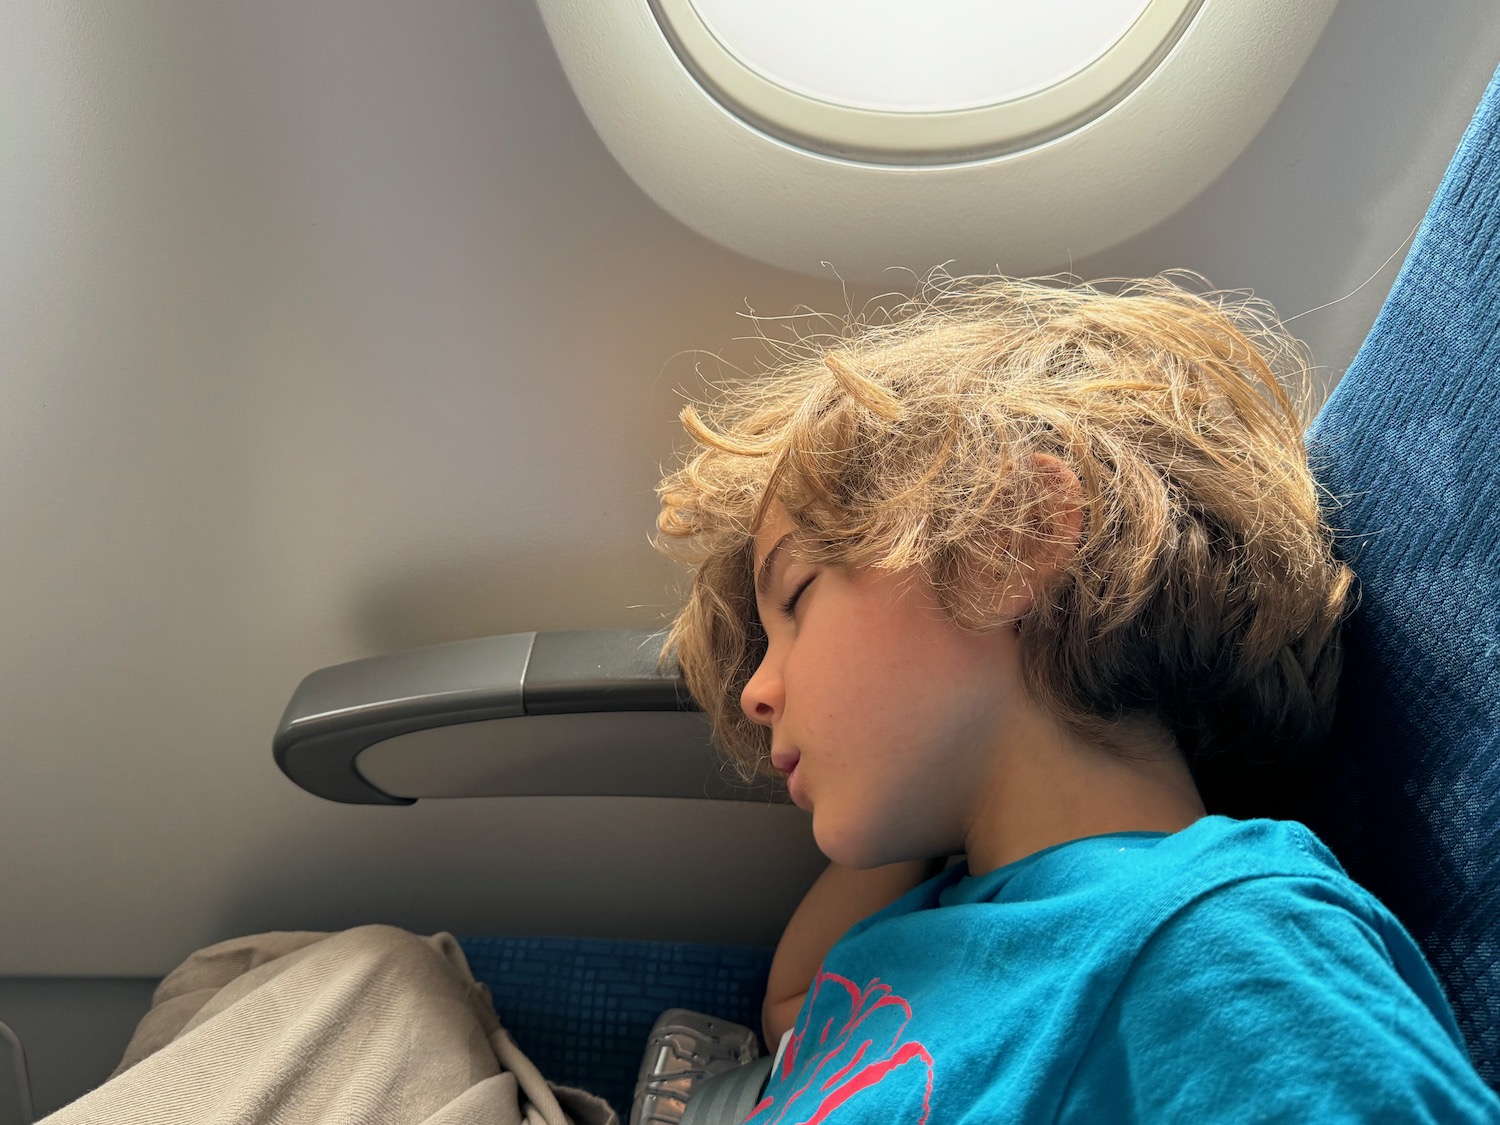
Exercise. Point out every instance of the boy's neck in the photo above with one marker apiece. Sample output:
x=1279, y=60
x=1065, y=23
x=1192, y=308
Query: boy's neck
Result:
x=1062, y=788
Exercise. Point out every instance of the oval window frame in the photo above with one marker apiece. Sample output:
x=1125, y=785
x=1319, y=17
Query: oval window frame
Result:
x=924, y=137
x=1034, y=210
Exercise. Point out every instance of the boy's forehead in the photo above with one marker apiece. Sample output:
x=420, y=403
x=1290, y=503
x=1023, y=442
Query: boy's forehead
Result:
x=775, y=525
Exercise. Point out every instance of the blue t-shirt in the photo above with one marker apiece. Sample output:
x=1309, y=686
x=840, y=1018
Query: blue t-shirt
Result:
x=1229, y=972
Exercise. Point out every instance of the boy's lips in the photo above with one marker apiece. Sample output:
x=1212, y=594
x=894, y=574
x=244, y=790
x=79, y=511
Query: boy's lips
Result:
x=786, y=761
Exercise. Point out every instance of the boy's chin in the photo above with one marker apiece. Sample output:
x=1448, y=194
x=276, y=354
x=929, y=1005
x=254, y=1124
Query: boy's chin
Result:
x=860, y=850
x=841, y=847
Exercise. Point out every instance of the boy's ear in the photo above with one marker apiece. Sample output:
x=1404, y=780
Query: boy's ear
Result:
x=1053, y=530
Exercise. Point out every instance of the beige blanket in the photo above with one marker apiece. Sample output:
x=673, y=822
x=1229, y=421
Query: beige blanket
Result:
x=371, y=1025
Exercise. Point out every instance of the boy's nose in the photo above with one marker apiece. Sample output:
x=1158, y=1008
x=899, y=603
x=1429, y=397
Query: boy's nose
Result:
x=762, y=697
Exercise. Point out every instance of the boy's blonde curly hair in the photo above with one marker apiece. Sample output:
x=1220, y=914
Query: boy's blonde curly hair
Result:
x=1203, y=593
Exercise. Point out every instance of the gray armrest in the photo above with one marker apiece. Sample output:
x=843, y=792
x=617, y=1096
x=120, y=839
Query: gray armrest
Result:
x=521, y=715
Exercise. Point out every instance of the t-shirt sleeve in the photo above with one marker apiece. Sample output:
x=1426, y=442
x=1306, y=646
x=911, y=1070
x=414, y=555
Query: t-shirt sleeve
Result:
x=1279, y=999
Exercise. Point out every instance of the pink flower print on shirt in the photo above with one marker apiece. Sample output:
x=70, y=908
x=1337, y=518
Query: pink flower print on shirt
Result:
x=856, y=1062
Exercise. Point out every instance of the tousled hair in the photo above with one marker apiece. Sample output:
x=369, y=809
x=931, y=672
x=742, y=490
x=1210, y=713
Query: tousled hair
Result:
x=1202, y=596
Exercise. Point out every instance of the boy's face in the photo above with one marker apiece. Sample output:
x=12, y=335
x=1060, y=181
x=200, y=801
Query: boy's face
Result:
x=893, y=719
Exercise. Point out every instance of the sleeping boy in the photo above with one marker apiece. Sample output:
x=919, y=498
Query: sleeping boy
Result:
x=1030, y=574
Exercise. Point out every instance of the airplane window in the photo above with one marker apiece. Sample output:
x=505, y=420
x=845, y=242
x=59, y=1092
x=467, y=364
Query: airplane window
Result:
x=895, y=55
x=895, y=82
x=1019, y=135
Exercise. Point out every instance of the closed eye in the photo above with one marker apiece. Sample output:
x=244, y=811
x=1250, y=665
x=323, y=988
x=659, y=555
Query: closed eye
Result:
x=791, y=603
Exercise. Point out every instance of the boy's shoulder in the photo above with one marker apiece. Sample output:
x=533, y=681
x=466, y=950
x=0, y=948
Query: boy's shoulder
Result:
x=1278, y=846
x=1263, y=890
x=1217, y=852
x=1218, y=882
x=1134, y=965
x=1154, y=870
x=1131, y=885
x=1277, y=960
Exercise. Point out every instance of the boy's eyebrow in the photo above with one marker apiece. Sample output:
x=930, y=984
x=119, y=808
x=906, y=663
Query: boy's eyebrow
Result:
x=763, y=580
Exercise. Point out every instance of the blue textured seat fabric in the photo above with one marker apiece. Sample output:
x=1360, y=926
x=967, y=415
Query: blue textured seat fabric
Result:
x=1407, y=446
x=582, y=1008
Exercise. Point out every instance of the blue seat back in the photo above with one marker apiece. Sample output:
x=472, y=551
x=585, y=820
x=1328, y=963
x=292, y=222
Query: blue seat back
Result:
x=1407, y=446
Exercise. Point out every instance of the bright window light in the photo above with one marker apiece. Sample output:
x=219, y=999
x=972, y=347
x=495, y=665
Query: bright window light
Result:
x=917, y=56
